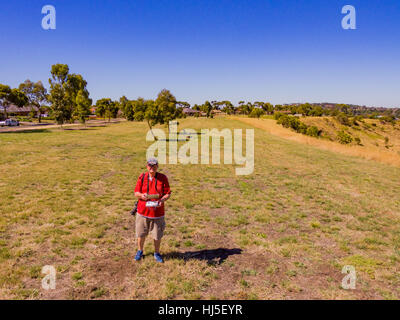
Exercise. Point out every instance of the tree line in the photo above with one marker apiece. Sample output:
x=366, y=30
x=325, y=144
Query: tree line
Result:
x=68, y=100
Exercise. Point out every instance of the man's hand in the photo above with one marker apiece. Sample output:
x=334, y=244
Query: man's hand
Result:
x=163, y=199
x=143, y=196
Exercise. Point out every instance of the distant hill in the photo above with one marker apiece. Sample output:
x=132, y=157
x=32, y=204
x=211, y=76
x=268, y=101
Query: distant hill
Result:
x=353, y=109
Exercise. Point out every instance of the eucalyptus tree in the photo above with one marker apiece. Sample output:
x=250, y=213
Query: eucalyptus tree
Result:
x=207, y=107
x=64, y=91
x=83, y=104
x=60, y=104
x=10, y=96
x=36, y=94
x=153, y=115
x=228, y=107
x=268, y=108
x=166, y=105
x=75, y=85
x=183, y=104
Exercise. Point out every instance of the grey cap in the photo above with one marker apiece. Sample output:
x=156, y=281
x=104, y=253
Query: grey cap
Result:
x=152, y=161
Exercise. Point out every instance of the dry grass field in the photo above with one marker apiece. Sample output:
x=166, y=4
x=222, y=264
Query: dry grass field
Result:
x=284, y=232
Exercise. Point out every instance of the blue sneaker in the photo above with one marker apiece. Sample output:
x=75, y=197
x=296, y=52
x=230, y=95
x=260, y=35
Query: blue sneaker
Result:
x=158, y=257
x=139, y=255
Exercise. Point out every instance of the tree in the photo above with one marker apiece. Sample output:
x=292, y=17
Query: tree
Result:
x=183, y=104
x=153, y=115
x=179, y=113
x=5, y=97
x=60, y=104
x=83, y=104
x=75, y=84
x=36, y=94
x=10, y=96
x=101, y=106
x=344, y=108
x=64, y=90
x=248, y=108
x=161, y=111
x=207, y=108
x=59, y=72
x=268, y=108
x=166, y=107
x=316, y=111
x=240, y=107
x=258, y=104
x=245, y=108
x=256, y=113
x=139, y=109
x=227, y=107
x=112, y=112
x=126, y=108
x=106, y=108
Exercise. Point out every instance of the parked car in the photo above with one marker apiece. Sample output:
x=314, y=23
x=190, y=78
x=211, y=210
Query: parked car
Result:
x=9, y=123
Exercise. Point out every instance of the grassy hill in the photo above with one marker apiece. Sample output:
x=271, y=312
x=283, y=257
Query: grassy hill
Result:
x=285, y=231
x=377, y=141
x=372, y=133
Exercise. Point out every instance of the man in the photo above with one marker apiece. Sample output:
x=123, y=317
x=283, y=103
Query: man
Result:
x=152, y=190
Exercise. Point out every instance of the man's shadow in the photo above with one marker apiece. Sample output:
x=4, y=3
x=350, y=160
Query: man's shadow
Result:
x=213, y=256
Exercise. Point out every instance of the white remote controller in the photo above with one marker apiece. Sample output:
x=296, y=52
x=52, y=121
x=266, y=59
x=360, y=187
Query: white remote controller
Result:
x=152, y=204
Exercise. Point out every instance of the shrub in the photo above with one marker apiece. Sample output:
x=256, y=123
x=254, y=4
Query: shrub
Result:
x=312, y=131
x=302, y=128
x=294, y=123
x=278, y=115
x=359, y=119
x=289, y=122
x=354, y=122
x=282, y=119
x=388, y=119
x=386, y=140
x=343, y=119
x=344, y=138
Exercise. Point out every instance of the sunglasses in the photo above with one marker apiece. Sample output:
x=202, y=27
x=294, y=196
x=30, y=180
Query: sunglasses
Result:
x=152, y=165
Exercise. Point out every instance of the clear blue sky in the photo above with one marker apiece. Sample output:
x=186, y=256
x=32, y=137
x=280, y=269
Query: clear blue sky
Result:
x=277, y=51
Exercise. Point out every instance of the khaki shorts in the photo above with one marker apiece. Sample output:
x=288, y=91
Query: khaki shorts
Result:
x=145, y=225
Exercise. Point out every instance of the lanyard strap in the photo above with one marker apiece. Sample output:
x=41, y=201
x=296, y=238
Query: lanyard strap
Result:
x=148, y=183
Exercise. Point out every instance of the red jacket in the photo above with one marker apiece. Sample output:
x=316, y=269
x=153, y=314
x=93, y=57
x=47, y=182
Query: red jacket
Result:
x=162, y=189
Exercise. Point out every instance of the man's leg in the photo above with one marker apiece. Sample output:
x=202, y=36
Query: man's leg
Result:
x=141, y=243
x=157, y=233
x=157, y=244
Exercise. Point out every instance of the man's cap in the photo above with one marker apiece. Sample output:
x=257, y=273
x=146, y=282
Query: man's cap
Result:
x=152, y=161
